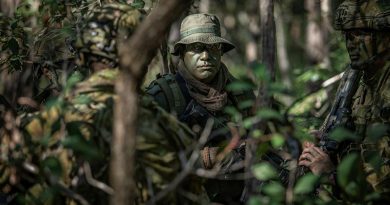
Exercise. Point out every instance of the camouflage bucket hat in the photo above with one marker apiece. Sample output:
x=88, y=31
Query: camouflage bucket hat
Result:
x=363, y=14
x=202, y=28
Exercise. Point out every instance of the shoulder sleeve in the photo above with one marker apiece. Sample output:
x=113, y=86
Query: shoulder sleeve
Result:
x=154, y=90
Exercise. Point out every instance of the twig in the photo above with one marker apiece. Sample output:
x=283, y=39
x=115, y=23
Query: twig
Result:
x=95, y=183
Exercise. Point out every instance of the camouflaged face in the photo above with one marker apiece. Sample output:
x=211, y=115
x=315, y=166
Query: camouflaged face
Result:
x=100, y=33
x=363, y=14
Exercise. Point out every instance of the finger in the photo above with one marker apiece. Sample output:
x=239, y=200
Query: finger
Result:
x=308, y=151
x=306, y=156
x=307, y=144
x=304, y=163
x=320, y=151
x=315, y=151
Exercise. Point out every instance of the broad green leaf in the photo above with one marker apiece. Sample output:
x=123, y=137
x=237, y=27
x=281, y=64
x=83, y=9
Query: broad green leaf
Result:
x=277, y=140
x=346, y=169
x=255, y=200
x=245, y=104
x=274, y=189
x=256, y=133
x=306, y=184
x=266, y=113
x=340, y=134
x=264, y=171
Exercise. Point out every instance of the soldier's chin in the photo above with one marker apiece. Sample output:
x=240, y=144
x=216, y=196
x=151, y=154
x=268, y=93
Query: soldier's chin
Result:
x=358, y=65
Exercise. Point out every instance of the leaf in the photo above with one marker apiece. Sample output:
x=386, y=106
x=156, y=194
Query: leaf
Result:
x=138, y=4
x=53, y=165
x=255, y=200
x=81, y=146
x=82, y=99
x=277, y=140
x=266, y=114
x=346, y=169
x=306, y=184
x=274, y=189
x=260, y=72
x=340, y=134
x=240, y=86
x=264, y=171
x=245, y=104
x=13, y=45
x=376, y=131
x=256, y=133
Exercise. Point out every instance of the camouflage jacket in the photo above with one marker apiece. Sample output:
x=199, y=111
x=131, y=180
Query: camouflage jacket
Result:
x=63, y=152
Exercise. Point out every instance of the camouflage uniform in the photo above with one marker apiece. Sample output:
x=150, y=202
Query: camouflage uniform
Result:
x=58, y=145
x=371, y=102
x=179, y=94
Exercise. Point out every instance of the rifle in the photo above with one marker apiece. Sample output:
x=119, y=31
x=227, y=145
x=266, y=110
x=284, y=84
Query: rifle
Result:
x=340, y=114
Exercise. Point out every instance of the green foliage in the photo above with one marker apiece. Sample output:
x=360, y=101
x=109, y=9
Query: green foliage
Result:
x=264, y=171
x=306, y=184
x=339, y=134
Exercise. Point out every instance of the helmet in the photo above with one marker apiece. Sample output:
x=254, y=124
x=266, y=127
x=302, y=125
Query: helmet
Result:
x=363, y=14
x=99, y=34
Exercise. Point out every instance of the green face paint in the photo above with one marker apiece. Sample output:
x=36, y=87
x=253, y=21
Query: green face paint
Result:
x=203, y=60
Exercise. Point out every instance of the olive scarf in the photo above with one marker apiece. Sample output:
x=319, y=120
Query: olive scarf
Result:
x=212, y=96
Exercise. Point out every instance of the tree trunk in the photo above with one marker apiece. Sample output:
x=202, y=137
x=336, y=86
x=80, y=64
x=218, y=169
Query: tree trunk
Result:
x=8, y=7
x=264, y=98
x=133, y=68
x=316, y=46
x=284, y=63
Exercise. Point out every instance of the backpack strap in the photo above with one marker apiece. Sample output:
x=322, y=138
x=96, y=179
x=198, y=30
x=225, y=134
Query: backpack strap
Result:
x=172, y=92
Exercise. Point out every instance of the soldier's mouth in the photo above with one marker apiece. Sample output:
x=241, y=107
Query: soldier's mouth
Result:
x=205, y=66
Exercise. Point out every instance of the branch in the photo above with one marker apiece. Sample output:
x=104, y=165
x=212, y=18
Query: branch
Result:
x=134, y=55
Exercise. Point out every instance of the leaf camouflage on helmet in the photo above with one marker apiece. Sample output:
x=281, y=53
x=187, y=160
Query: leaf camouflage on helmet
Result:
x=363, y=14
x=98, y=37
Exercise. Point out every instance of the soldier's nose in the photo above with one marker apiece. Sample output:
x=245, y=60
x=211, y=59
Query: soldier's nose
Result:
x=204, y=55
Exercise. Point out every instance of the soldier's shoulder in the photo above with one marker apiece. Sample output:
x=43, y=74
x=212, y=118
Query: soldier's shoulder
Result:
x=162, y=89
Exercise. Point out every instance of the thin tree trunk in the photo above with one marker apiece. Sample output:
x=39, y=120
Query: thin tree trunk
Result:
x=264, y=98
x=268, y=49
x=8, y=7
x=316, y=48
x=284, y=62
x=145, y=41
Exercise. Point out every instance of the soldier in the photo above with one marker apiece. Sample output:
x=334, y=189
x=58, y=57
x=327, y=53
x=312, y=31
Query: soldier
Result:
x=65, y=148
x=366, y=25
x=198, y=92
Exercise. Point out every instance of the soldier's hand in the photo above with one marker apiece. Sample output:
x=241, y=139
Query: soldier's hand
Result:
x=315, y=159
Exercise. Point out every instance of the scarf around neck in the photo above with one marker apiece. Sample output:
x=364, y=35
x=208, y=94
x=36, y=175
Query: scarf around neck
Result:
x=213, y=95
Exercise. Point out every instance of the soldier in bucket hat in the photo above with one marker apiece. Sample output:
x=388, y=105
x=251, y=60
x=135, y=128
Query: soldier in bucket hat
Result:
x=198, y=92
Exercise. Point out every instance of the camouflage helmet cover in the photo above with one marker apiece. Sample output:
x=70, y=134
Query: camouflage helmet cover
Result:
x=363, y=14
x=99, y=34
